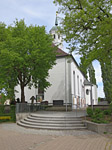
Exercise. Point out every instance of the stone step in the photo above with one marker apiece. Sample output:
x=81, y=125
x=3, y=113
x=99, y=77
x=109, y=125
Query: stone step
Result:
x=54, y=118
x=52, y=125
x=54, y=121
x=50, y=128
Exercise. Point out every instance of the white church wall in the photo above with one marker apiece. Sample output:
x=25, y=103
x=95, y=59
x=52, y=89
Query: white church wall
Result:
x=57, y=76
x=77, y=85
x=94, y=95
x=57, y=79
x=57, y=89
x=88, y=96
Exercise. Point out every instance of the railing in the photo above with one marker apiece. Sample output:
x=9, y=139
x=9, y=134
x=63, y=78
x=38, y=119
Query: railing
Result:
x=28, y=107
x=79, y=111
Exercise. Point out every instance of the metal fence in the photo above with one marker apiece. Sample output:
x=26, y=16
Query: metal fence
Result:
x=28, y=107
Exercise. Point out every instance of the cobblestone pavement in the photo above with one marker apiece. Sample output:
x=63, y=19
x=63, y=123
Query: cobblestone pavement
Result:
x=13, y=137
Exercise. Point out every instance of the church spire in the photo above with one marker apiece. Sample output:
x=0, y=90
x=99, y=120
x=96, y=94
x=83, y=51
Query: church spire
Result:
x=56, y=20
x=56, y=34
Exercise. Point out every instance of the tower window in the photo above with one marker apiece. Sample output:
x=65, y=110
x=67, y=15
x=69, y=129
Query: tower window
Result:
x=58, y=36
x=54, y=36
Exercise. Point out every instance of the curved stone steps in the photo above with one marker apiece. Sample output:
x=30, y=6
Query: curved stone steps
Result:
x=50, y=128
x=52, y=122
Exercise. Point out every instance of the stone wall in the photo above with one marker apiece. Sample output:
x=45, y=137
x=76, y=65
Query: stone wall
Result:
x=99, y=128
x=20, y=116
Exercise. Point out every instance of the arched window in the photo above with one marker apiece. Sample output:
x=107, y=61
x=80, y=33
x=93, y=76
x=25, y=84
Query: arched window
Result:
x=54, y=36
x=87, y=92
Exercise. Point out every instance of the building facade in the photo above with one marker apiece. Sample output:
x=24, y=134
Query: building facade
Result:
x=67, y=81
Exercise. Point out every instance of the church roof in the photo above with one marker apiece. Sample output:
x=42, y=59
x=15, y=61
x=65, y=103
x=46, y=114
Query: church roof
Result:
x=61, y=53
x=86, y=82
x=55, y=28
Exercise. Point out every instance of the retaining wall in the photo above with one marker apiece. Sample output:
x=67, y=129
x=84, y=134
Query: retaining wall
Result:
x=20, y=116
x=99, y=128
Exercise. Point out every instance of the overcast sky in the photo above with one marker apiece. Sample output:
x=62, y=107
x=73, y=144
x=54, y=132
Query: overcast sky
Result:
x=39, y=12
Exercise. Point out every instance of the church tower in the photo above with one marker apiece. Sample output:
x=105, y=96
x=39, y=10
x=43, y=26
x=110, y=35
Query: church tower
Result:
x=58, y=41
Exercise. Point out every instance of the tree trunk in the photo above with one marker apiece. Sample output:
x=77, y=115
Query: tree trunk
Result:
x=22, y=93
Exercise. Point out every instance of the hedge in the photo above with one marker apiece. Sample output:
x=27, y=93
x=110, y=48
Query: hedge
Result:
x=7, y=113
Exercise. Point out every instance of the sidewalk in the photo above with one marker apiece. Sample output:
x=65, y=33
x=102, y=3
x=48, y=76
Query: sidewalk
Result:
x=13, y=137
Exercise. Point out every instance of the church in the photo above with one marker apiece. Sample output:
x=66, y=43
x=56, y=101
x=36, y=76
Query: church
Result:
x=68, y=83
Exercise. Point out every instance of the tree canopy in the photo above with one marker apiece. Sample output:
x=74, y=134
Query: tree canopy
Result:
x=26, y=55
x=88, y=27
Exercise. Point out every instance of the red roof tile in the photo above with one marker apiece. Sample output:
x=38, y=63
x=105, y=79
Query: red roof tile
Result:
x=61, y=52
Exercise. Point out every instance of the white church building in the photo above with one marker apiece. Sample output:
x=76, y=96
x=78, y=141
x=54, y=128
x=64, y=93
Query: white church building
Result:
x=68, y=83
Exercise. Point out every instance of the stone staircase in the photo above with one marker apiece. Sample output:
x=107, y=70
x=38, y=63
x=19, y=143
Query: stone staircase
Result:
x=52, y=122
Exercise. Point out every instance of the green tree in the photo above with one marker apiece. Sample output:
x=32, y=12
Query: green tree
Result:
x=92, y=74
x=107, y=79
x=26, y=55
x=89, y=68
x=88, y=27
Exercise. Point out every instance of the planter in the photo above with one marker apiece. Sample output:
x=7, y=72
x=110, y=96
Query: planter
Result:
x=99, y=128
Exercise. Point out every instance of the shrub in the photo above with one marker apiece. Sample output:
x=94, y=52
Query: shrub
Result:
x=2, y=109
x=97, y=111
x=100, y=121
x=89, y=111
x=107, y=112
x=13, y=113
x=10, y=113
x=99, y=117
x=110, y=106
x=99, y=99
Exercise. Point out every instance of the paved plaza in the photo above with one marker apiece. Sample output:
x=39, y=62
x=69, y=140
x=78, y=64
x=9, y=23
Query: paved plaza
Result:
x=13, y=137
